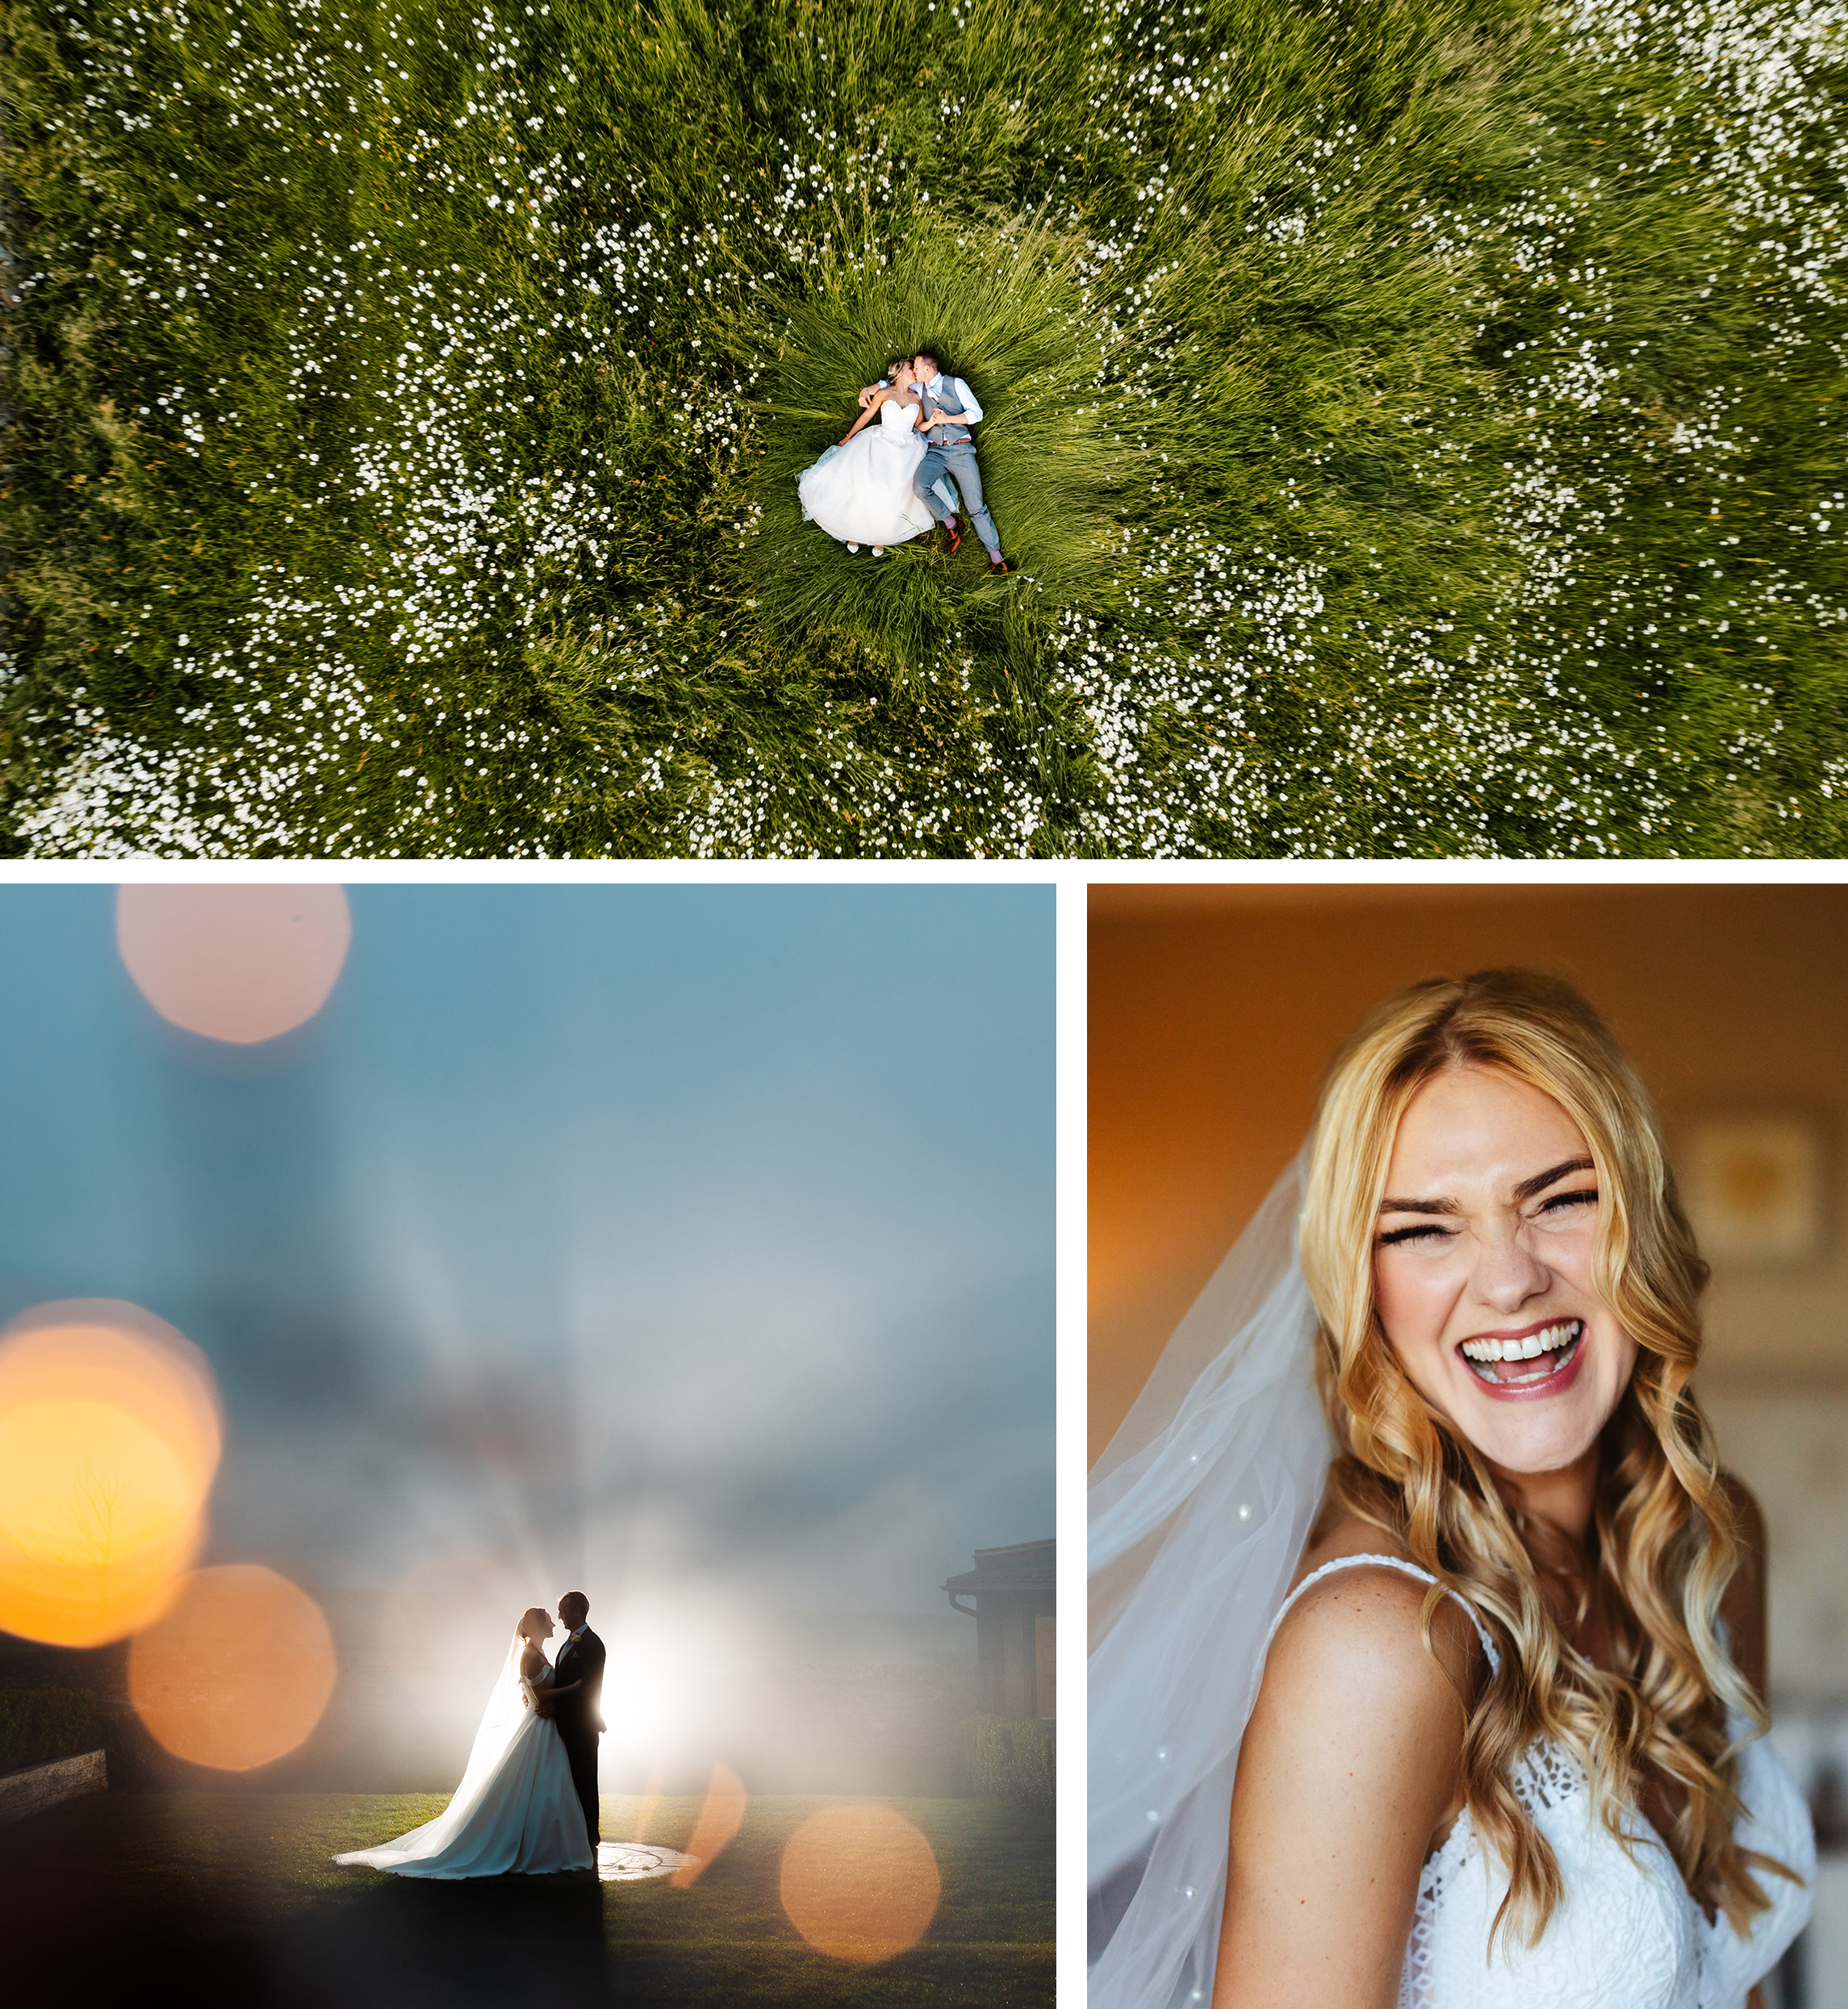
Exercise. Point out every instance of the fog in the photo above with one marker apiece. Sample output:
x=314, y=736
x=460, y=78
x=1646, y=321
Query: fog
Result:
x=690, y=1246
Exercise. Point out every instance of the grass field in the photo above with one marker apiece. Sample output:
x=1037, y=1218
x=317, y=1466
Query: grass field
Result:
x=233, y=1898
x=1418, y=425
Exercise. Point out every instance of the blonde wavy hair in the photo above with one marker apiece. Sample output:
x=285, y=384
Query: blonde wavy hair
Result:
x=1662, y=1542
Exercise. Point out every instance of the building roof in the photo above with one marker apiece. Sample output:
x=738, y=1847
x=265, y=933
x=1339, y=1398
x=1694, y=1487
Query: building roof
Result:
x=1021, y=1566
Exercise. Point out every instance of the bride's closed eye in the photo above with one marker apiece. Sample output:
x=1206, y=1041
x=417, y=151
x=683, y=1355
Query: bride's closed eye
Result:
x=1393, y=1236
x=1564, y=1202
x=1556, y=1206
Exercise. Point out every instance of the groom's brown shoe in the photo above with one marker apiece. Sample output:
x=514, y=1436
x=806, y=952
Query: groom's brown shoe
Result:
x=956, y=537
x=999, y=565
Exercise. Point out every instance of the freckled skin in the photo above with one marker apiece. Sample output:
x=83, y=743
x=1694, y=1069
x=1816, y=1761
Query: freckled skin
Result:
x=1503, y=1264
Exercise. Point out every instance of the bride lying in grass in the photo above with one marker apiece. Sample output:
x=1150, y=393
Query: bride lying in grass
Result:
x=863, y=490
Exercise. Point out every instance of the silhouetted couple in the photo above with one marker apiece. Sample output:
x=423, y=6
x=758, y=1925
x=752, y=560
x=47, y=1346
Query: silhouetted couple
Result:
x=528, y=1800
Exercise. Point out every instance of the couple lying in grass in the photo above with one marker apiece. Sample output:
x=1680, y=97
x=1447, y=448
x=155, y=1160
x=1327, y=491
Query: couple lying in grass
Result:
x=890, y=482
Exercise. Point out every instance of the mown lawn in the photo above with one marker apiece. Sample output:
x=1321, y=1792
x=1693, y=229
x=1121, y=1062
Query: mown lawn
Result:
x=1418, y=425
x=225, y=1898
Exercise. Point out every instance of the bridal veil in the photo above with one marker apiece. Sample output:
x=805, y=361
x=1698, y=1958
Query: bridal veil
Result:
x=1199, y=1511
x=506, y=1710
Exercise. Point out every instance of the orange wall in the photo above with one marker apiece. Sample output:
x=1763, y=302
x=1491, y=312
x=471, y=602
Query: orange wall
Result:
x=1214, y=1009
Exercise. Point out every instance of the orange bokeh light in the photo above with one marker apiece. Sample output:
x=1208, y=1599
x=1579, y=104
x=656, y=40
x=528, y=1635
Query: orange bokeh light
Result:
x=238, y=1673
x=721, y=1816
x=110, y=1435
x=237, y=963
x=860, y=1882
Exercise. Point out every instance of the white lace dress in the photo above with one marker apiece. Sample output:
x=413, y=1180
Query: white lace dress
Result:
x=523, y=1815
x=1628, y=1934
x=864, y=492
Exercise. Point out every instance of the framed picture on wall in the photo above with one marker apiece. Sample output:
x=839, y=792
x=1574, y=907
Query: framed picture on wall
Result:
x=1754, y=1182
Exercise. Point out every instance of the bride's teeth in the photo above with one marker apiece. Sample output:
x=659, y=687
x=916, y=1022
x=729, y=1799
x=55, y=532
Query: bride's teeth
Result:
x=1486, y=1352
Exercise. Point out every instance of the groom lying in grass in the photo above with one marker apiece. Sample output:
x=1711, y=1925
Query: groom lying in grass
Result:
x=951, y=409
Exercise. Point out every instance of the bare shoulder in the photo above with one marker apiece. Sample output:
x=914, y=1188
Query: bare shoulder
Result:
x=1349, y=1689
x=1348, y=1770
x=1364, y=1624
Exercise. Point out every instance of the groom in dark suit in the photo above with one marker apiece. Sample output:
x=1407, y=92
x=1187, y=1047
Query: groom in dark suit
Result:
x=577, y=1690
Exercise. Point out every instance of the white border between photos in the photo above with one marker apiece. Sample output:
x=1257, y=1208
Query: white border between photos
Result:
x=1068, y=875
x=1071, y=1469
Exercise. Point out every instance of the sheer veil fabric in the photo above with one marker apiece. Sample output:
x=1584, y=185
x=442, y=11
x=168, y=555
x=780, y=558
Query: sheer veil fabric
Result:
x=1200, y=1508
x=505, y=1711
x=499, y=1721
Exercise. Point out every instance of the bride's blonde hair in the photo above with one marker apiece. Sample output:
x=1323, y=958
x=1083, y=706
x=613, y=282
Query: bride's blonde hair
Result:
x=1662, y=1542
x=530, y=1620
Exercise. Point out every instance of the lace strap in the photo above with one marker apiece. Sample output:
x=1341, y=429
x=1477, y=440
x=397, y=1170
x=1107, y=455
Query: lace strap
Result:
x=1386, y=1562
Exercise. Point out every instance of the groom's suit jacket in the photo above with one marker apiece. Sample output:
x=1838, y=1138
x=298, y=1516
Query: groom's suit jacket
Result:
x=580, y=1660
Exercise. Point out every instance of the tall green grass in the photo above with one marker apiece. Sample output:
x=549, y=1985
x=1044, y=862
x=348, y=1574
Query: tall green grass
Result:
x=1416, y=426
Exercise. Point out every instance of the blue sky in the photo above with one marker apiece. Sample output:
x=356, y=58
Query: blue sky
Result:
x=701, y=1234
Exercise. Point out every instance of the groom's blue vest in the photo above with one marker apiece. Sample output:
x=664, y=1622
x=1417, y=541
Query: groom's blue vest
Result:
x=945, y=400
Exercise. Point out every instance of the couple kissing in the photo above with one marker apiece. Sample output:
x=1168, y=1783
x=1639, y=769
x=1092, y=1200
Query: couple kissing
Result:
x=528, y=1802
x=886, y=482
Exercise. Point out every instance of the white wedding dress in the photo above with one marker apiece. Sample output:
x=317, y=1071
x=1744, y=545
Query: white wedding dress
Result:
x=516, y=1809
x=863, y=492
x=1628, y=1934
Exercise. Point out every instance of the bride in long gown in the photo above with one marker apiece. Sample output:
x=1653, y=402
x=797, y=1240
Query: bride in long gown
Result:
x=516, y=1809
x=862, y=489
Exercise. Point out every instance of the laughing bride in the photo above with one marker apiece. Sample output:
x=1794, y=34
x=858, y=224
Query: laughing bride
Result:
x=1429, y=1636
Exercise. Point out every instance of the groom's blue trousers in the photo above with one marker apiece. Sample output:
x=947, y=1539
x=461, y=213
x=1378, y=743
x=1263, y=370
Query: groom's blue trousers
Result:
x=958, y=461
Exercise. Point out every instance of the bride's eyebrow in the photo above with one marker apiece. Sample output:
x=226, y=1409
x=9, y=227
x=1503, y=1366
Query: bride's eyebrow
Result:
x=1540, y=1181
x=1526, y=1190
